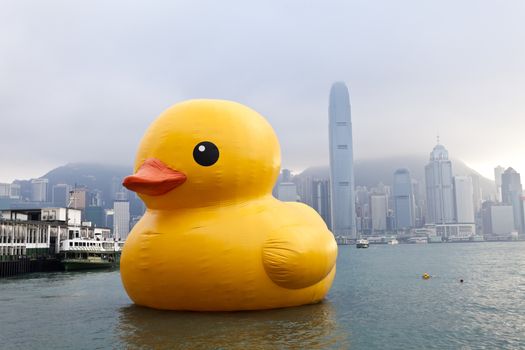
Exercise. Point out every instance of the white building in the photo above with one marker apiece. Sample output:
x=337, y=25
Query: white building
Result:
x=501, y=219
x=39, y=190
x=464, y=199
x=121, y=220
x=456, y=232
x=341, y=162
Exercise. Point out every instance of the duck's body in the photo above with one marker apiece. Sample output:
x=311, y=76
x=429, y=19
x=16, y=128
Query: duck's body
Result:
x=241, y=257
x=213, y=238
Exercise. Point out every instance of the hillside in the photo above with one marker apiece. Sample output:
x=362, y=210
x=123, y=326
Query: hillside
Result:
x=369, y=172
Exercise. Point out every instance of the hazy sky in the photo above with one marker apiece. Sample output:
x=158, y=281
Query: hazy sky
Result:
x=81, y=80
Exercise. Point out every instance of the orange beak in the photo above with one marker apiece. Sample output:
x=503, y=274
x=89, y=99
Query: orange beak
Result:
x=154, y=178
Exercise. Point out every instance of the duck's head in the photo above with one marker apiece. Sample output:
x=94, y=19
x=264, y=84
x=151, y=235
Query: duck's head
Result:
x=204, y=153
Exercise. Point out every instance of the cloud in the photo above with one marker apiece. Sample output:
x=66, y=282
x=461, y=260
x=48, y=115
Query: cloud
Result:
x=82, y=80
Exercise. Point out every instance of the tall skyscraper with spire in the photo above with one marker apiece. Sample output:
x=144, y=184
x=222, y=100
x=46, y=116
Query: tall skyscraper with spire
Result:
x=440, y=192
x=341, y=162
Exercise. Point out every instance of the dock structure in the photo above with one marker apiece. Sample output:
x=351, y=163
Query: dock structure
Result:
x=39, y=240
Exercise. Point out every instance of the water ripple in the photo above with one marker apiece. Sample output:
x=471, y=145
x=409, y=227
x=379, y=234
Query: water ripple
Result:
x=378, y=301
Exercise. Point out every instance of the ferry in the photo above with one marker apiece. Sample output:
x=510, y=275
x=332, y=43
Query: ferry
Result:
x=362, y=243
x=393, y=241
x=83, y=254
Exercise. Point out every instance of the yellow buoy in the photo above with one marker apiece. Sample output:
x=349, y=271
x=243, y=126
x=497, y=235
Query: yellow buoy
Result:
x=425, y=276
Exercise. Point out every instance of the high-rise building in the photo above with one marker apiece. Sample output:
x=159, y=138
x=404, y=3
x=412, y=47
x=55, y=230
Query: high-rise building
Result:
x=287, y=192
x=362, y=210
x=321, y=200
x=341, y=162
x=497, y=219
x=404, y=212
x=440, y=194
x=476, y=192
x=60, y=195
x=39, y=190
x=121, y=219
x=419, y=200
x=78, y=198
x=94, y=198
x=110, y=216
x=378, y=212
x=511, y=193
x=501, y=219
x=286, y=175
x=464, y=199
x=498, y=171
x=118, y=192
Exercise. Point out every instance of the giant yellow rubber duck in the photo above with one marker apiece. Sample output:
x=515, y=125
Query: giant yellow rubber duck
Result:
x=213, y=237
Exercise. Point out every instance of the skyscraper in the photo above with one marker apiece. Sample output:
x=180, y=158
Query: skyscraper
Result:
x=464, y=199
x=78, y=198
x=498, y=171
x=403, y=200
x=477, y=194
x=321, y=200
x=121, y=219
x=341, y=162
x=378, y=212
x=440, y=194
x=511, y=193
x=60, y=195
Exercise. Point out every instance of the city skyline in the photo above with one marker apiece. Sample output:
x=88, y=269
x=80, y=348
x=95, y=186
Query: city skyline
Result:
x=456, y=209
x=412, y=76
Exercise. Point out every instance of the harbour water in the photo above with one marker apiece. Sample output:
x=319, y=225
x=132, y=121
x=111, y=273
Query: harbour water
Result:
x=378, y=301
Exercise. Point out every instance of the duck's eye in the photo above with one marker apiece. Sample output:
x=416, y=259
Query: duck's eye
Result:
x=206, y=153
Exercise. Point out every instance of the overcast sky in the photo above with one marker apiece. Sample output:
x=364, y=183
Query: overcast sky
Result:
x=81, y=80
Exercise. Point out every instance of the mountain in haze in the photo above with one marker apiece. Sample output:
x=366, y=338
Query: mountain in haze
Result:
x=101, y=177
x=370, y=172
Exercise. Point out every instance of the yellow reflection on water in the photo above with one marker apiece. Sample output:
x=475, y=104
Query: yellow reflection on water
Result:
x=305, y=327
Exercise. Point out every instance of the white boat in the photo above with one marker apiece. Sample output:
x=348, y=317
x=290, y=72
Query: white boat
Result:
x=362, y=243
x=79, y=253
x=393, y=241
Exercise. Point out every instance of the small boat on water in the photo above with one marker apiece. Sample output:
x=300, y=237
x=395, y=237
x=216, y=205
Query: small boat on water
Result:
x=362, y=243
x=393, y=241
